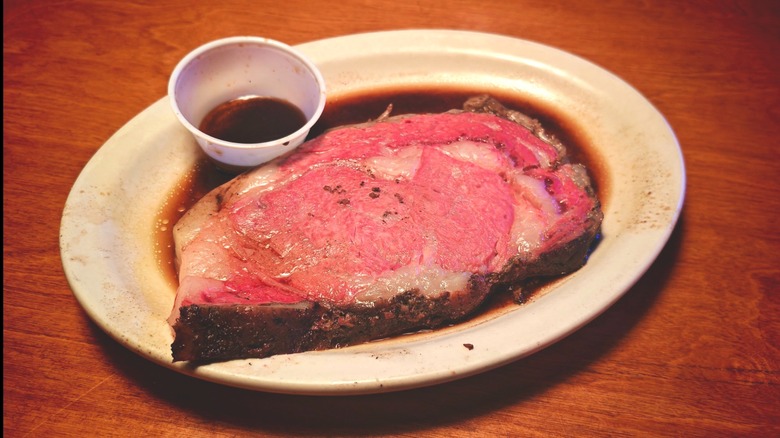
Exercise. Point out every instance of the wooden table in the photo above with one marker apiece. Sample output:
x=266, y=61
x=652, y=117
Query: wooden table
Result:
x=691, y=350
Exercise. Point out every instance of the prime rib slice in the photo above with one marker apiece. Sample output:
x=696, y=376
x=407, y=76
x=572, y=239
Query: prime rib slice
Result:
x=367, y=231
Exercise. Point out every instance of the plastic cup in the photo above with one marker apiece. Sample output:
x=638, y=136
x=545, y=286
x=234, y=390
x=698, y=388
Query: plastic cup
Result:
x=240, y=67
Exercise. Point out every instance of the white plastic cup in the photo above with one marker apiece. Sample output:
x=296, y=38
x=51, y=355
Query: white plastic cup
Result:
x=230, y=68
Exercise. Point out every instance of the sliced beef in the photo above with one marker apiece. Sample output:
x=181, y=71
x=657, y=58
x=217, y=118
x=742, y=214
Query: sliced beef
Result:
x=372, y=230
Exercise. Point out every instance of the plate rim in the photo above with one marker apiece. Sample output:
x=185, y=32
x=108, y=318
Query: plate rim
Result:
x=229, y=375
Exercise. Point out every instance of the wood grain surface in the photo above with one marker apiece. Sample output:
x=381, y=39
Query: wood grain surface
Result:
x=691, y=350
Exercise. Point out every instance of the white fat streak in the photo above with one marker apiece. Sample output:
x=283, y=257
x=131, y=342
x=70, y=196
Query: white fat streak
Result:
x=208, y=256
x=541, y=156
x=429, y=280
x=534, y=192
x=475, y=153
x=486, y=157
x=401, y=163
x=261, y=179
x=527, y=230
x=534, y=211
x=539, y=153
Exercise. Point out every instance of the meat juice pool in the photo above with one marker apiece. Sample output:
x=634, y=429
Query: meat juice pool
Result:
x=351, y=109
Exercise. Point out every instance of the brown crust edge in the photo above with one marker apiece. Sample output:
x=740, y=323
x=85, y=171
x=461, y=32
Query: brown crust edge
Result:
x=223, y=332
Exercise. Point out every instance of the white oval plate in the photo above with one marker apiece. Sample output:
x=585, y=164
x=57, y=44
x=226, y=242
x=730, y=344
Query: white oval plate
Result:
x=108, y=248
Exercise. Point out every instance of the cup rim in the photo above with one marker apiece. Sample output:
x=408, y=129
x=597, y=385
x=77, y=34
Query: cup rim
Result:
x=290, y=50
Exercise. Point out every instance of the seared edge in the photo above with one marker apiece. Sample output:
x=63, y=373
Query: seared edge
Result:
x=222, y=332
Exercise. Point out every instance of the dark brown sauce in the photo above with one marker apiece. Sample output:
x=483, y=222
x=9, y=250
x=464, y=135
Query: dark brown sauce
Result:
x=195, y=184
x=253, y=120
x=363, y=107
